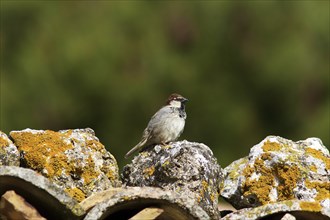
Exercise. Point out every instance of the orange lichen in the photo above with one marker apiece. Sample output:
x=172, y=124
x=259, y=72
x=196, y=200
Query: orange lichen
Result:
x=214, y=196
x=205, y=185
x=3, y=142
x=43, y=150
x=202, y=191
x=95, y=145
x=149, y=171
x=76, y=193
x=262, y=186
x=89, y=173
x=319, y=155
x=313, y=168
x=322, y=188
x=199, y=199
x=53, y=154
x=288, y=177
x=271, y=146
x=310, y=206
x=111, y=175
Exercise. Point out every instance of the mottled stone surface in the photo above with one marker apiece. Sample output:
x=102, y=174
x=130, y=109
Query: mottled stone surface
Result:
x=278, y=169
x=184, y=167
x=75, y=160
x=9, y=155
x=123, y=203
x=51, y=201
x=302, y=210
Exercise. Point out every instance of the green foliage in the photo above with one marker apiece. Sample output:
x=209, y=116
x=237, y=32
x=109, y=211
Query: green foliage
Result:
x=249, y=68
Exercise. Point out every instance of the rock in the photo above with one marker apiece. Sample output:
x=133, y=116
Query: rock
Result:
x=98, y=197
x=13, y=206
x=288, y=216
x=148, y=213
x=50, y=200
x=75, y=160
x=278, y=169
x=9, y=155
x=184, y=167
x=290, y=209
x=128, y=202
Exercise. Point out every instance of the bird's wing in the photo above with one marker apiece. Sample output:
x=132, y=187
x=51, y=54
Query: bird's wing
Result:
x=156, y=120
x=159, y=117
x=144, y=139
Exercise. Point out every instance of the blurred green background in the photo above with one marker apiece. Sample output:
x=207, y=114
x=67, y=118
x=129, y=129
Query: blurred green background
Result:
x=249, y=68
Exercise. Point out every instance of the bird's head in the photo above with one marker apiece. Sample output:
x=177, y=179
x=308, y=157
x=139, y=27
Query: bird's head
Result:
x=176, y=100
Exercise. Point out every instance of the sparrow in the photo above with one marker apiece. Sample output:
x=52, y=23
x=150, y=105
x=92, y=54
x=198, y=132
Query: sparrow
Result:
x=165, y=126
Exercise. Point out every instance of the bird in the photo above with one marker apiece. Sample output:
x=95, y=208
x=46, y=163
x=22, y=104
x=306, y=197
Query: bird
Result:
x=165, y=126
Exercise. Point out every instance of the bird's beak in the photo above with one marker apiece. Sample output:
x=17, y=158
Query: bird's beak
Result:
x=185, y=100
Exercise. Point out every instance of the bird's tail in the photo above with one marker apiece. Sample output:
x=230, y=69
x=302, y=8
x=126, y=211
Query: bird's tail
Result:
x=136, y=148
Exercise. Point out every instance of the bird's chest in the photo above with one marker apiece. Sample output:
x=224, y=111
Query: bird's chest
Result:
x=175, y=124
x=172, y=128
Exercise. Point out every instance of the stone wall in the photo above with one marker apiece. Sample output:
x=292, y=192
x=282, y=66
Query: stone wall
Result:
x=69, y=174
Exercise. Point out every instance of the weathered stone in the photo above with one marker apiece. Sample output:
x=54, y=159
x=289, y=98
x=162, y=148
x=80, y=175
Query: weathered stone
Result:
x=73, y=159
x=51, y=201
x=148, y=213
x=9, y=155
x=183, y=167
x=13, y=206
x=126, y=202
x=278, y=169
x=297, y=209
x=288, y=216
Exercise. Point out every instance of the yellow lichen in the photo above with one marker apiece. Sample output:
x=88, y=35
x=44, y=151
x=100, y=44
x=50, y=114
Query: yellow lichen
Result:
x=95, y=145
x=3, y=142
x=310, y=206
x=57, y=164
x=288, y=177
x=262, y=186
x=319, y=155
x=111, y=175
x=313, y=168
x=167, y=162
x=149, y=171
x=203, y=189
x=322, y=188
x=167, y=146
x=76, y=193
x=41, y=150
x=271, y=146
x=89, y=173
x=205, y=185
x=125, y=198
x=214, y=196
